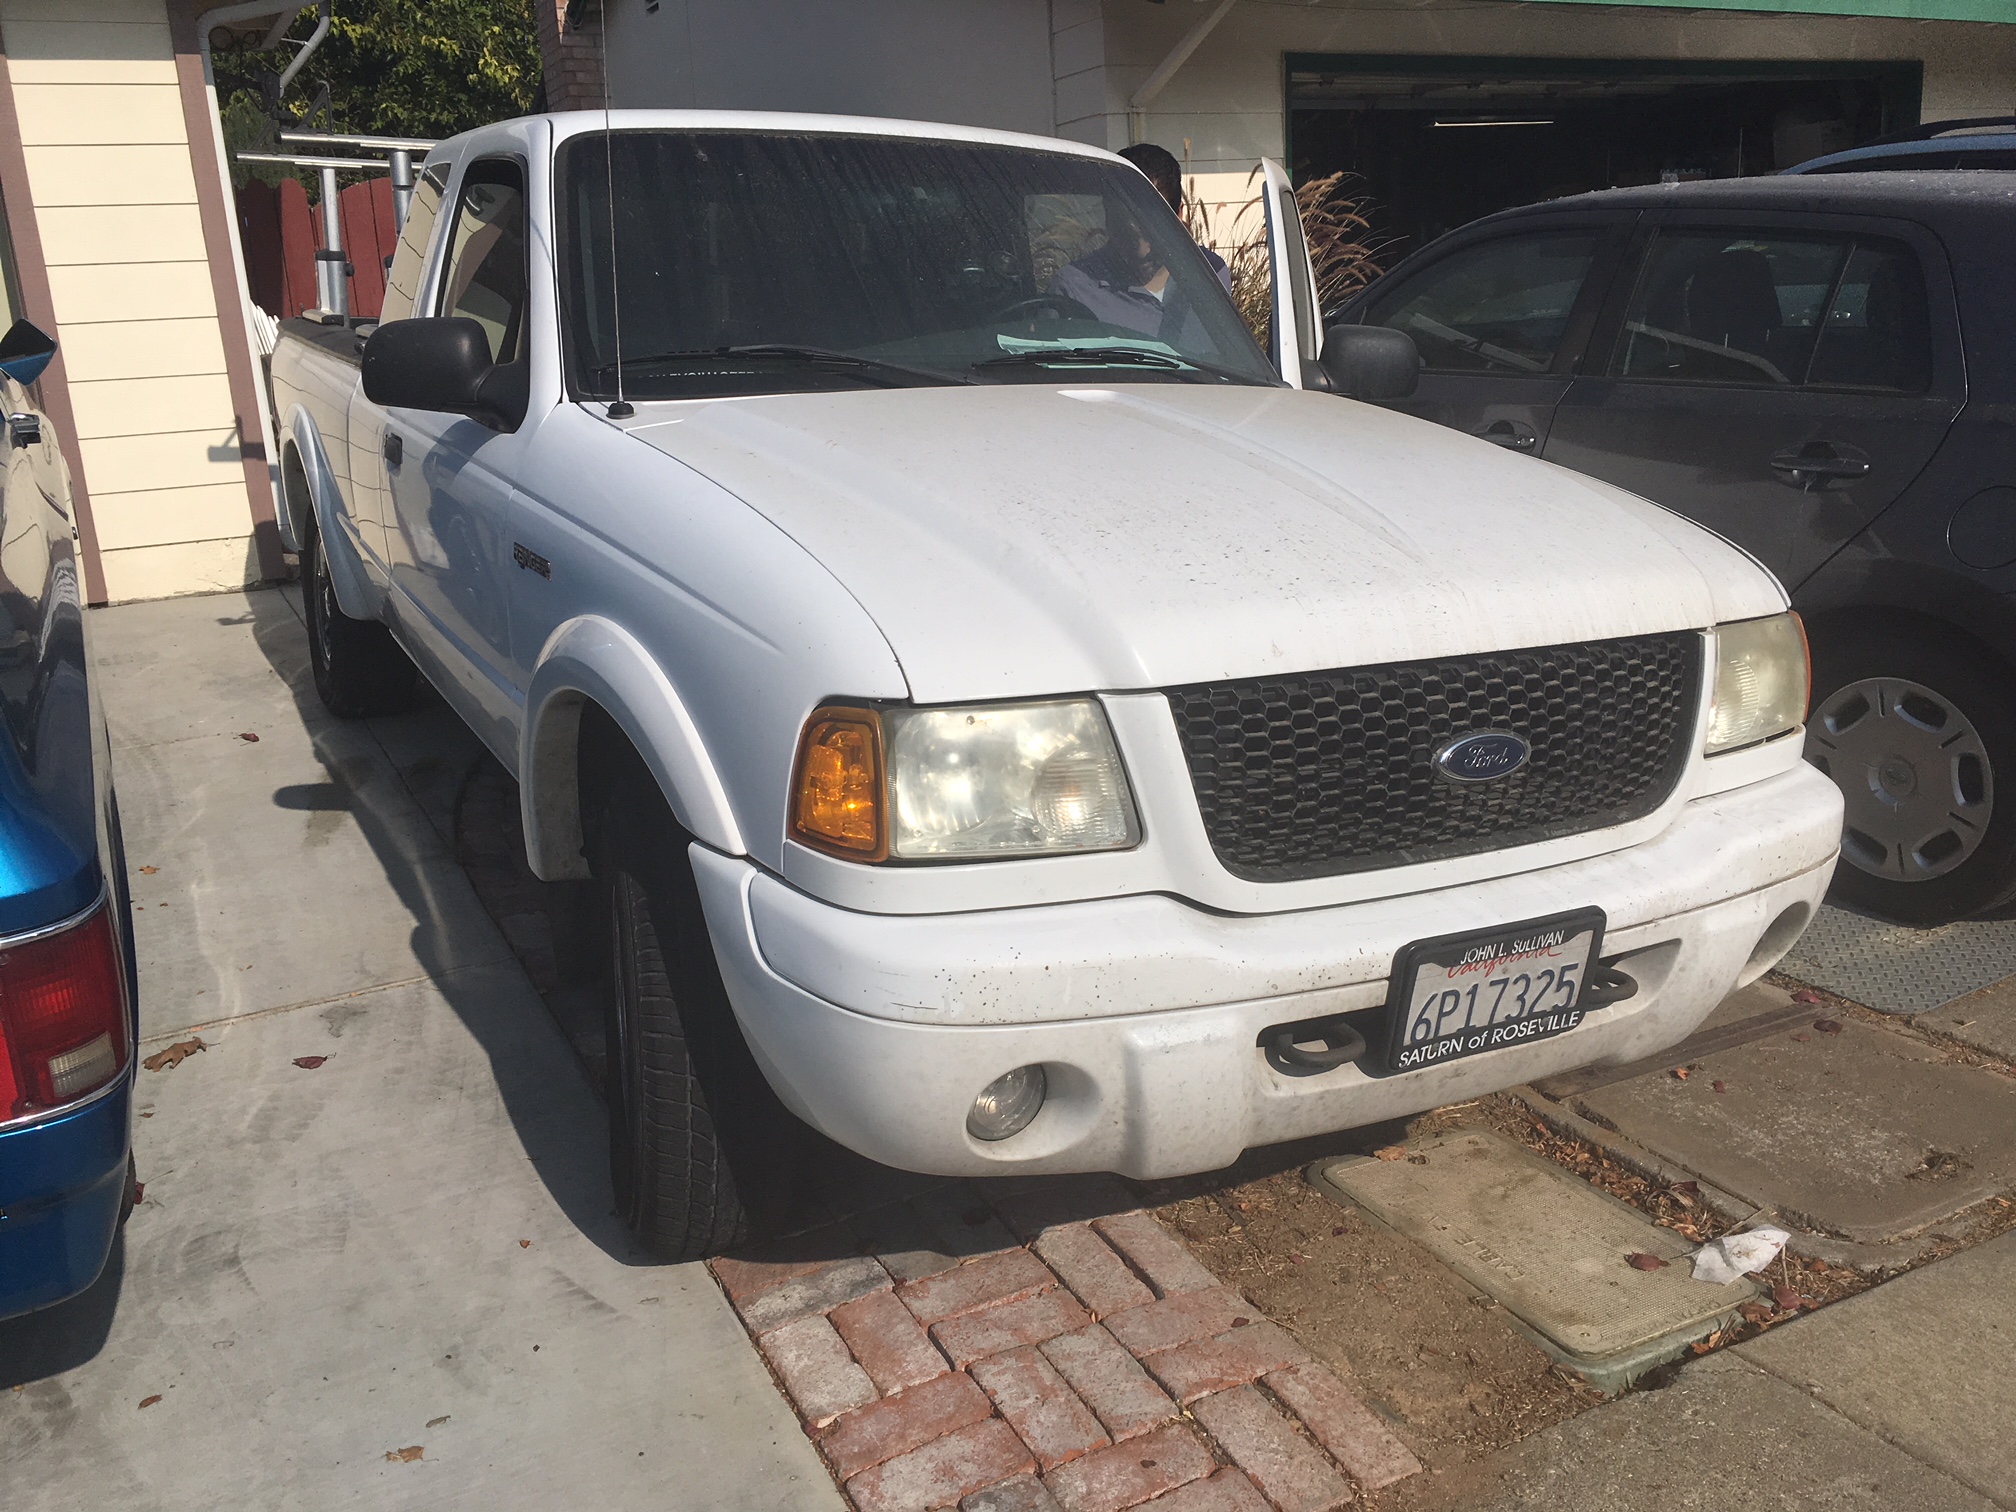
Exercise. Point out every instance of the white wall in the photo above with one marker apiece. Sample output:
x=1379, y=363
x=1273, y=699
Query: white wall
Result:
x=114, y=196
x=974, y=62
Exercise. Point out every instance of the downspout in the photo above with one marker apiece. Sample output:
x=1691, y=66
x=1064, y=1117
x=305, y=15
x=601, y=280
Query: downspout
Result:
x=250, y=322
x=1137, y=106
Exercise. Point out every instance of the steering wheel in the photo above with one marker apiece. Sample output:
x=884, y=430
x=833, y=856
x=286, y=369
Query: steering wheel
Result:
x=1028, y=309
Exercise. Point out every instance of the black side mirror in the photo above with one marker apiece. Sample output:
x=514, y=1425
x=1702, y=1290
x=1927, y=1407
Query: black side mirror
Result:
x=442, y=364
x=1371, y=362
x=25, y=351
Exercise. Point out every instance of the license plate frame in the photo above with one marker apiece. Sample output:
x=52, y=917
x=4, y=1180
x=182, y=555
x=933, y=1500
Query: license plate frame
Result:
x=1471, y=1038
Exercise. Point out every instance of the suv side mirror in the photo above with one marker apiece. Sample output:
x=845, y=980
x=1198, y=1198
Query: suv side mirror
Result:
x=25, y=351
x=1371, y=362
x=442, y=364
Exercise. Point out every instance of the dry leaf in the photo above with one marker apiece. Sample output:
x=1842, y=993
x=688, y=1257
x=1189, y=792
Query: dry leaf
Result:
x=1644, y=1262
x=149, y=1401
x=1682, y=1072
x=1685, y=1189
x=524, y=1244
x=437, y=1422
x=247, y=735
x=1754, y=1312
x=311, y=1062
x=1827, y=1026
x=174, y=1055
x=1804, y=1039
x=148, y=871
x=1787, y=1298
x=1241, y=1322
x=139, y=1190
x=1392, y=1152
x=1721, y=1086
x=405, y=1456
x=1807, y=995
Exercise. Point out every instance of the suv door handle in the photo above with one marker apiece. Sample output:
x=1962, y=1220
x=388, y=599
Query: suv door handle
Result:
x=1510, y=434
x=1820, y=464
x=393, y=448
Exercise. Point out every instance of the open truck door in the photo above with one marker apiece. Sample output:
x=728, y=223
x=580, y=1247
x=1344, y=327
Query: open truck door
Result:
x=1297, y=325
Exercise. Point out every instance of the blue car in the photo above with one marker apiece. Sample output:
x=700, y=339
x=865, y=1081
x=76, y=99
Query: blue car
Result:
x=68, y=1011
x=1985, y=142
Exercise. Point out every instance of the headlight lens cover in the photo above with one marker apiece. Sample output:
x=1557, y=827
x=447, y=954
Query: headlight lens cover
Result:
x=1006, y=780
x=1762, y=678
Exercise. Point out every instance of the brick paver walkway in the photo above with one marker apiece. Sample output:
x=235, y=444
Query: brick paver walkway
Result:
x=1094, y=1368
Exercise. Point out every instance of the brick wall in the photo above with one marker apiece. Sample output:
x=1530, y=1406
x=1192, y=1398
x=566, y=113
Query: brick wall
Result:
x=572, y=54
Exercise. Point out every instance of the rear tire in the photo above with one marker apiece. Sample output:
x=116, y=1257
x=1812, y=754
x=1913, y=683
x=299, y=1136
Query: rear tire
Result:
x=697, y=1139
x=1916, y=727
x=360, y=669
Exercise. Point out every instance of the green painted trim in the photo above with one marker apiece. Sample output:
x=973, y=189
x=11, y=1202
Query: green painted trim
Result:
x=1898, y=10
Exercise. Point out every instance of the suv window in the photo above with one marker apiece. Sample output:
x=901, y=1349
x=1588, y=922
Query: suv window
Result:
x=486, y=279
x=1777, y=311
x=402, y=279
x=1500, y=307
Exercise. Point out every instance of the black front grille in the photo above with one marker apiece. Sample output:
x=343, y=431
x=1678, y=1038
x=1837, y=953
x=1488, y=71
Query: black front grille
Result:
x=1321, y=773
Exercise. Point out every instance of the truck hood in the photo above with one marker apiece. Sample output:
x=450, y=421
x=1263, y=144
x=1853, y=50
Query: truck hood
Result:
x=1013, y=541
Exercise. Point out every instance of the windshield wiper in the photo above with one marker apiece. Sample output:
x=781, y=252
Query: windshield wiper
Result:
x=785, y=352
x=1069, y=356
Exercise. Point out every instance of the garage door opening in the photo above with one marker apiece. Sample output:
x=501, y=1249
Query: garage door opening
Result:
x=1438, y=142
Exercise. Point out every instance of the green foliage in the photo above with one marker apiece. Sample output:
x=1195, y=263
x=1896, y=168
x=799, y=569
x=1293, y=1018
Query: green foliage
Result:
x=397, y=68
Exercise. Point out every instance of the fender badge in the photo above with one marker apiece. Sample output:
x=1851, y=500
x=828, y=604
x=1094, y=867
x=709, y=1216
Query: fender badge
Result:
x=1483, y=757
x=530, y=560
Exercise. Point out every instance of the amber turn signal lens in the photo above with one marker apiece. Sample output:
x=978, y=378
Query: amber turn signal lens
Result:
x=836, y=800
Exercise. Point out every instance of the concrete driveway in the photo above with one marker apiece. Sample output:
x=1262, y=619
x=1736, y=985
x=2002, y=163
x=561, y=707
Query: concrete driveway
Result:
x=392, y=1278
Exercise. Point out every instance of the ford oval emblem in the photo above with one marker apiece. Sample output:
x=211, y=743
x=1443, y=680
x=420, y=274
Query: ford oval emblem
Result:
x=1483, y=757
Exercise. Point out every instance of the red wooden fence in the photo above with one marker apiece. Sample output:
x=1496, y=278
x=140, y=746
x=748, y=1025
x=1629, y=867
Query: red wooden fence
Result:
x=281, y=230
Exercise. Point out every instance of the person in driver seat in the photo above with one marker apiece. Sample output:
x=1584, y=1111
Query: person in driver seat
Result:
x=1125, y=283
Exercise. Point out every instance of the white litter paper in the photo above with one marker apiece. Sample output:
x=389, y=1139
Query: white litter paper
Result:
x=1736, y=1255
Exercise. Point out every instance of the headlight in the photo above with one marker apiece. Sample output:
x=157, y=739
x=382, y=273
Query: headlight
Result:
x=1762, y=675
x=963, y=783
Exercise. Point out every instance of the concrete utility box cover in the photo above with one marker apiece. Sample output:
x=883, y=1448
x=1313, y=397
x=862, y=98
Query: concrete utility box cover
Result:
x=1546, y=1245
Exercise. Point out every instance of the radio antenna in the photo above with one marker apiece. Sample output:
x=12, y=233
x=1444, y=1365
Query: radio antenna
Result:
x=622, y=409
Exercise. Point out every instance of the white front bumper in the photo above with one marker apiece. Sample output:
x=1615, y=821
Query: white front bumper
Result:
x=1146, y=1013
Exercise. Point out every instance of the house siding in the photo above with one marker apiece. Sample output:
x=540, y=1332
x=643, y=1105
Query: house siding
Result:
x=105, y=133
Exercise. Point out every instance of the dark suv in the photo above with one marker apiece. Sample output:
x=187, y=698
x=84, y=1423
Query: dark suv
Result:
x=1823, y=369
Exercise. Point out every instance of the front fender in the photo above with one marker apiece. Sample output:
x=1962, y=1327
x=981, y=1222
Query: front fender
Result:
x=355, y=592
x=594, y=659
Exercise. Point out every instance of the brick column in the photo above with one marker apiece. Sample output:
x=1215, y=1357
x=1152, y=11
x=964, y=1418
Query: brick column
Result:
x=570, y=51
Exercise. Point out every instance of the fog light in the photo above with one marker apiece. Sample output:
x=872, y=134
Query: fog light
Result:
x=1006, y=1104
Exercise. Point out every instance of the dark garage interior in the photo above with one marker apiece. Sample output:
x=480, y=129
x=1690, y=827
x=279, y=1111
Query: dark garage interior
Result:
x=1437, y=142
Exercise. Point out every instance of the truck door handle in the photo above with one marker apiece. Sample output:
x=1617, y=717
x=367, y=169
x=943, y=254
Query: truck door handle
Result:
x=393, y=448
x=24, y=430
x=1820, y=464
x=1509, y=434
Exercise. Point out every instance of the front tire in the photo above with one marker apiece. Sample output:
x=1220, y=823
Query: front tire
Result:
x=360, y=670
x=700, y=1149
x=1916, y=728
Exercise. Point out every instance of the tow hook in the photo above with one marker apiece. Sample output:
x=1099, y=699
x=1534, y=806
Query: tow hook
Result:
x=1312, y=1046
x=1606, y=985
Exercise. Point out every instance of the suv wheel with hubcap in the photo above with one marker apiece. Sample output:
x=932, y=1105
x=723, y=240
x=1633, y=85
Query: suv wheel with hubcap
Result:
x=1915, y=727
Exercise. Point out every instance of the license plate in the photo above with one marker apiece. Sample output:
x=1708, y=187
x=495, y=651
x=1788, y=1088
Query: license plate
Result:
x=1465, y=994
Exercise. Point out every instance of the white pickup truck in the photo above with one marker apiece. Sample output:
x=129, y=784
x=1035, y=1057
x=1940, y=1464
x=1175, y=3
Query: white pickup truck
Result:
x=1017, y=724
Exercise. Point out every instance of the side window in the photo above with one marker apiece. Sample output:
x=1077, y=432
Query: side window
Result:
x=1877, y=334
x=1777, y=312
x=486, y=279
x=402, y=280
x=1501, y=307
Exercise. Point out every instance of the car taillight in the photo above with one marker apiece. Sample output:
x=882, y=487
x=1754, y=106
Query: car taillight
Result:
x=62, y=1017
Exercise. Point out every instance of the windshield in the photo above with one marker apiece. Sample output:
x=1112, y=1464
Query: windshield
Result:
x=775, y=262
